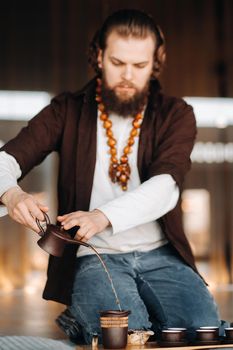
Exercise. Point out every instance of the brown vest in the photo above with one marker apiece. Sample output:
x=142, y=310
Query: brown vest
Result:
x=68, y=126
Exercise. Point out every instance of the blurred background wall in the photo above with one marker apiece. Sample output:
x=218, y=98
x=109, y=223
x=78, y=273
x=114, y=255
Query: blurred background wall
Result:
x=43, y=47
x=44, y=43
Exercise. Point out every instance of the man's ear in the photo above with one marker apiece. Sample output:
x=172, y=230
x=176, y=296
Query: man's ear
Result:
x=100, y=59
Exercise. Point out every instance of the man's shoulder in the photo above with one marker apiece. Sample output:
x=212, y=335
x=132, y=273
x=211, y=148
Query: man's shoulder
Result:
x=172, y=108
x=174, y=102
x=163, y=101
x=75, y=96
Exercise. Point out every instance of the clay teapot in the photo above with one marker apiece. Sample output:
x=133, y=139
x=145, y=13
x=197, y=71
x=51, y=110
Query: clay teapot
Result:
x=54, y=239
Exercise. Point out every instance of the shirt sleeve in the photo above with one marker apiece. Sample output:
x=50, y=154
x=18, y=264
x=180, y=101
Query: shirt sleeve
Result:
x=9, y=173
x=174, y=142
x=148, y=202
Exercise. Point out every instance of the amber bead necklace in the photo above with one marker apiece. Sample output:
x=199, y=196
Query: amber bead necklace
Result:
x=119, y=170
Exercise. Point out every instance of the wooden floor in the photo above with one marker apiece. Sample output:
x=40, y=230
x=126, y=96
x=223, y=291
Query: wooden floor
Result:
x=24, y=312
x=29, y=315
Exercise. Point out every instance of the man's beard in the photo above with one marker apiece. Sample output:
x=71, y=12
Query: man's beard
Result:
x=123, y=107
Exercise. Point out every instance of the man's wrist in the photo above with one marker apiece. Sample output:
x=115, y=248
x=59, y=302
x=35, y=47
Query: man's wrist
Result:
x=7, y=194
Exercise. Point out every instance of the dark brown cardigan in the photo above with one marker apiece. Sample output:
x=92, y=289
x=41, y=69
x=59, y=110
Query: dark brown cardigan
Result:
x=68, y=126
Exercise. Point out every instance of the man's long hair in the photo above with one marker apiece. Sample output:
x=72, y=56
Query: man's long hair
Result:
x=127, y=23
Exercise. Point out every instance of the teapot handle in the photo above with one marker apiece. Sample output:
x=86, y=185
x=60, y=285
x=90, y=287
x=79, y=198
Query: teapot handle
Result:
x=42, y=230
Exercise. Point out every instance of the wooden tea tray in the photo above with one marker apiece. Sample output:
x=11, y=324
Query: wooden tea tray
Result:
x=155, y=346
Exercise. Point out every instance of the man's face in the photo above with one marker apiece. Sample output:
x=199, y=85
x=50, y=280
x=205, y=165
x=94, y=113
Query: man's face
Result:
x=127, y=64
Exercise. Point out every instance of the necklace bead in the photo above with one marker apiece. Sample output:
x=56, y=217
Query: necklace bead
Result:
x=134, y=133
x=109, y=133
x=131, y=141
x=107, y=124
x=114, y=160
x=113, y=151
x=137, y=123
x=111, y=142
x=127, y=150
x=103, y=116
x=124, y=159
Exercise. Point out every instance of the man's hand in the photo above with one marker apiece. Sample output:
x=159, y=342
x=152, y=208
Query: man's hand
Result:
x=90, y=223
x=23, y=207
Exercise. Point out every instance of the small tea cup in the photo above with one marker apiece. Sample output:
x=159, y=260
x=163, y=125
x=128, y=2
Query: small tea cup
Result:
x=229, y=333
x=205, y=334
x=170, y=335
x=182, y=330
x=215, y=328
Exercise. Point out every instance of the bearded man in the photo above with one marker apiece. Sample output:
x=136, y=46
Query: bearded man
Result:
x=124, y=151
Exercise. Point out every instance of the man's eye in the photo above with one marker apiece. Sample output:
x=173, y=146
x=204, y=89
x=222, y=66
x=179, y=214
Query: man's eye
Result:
x=140, y=66
x=116, y=63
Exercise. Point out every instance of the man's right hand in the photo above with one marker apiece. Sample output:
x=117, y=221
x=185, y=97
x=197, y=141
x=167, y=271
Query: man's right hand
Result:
x=23, y=207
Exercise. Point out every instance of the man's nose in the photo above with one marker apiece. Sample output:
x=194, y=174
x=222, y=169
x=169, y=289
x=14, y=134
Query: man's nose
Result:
x=127, y=73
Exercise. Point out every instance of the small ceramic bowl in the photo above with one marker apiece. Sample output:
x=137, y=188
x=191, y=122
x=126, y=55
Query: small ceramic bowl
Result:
x=182, y=330
x=205, y=334
x=215, y=328
x=169, y=335
x=229, y=333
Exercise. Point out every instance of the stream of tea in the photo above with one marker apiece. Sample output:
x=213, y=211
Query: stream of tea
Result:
x=109, y=277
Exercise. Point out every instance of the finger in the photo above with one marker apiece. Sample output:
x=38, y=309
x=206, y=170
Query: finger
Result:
x=29, y=217
x=75, y=214
x=23, y=219
x=36, y=211
x=89, y=234
x=43, y=207
x=82, y=232
x=71, y=222
x=30, y=206
x=62, y=217
x=80, y=235
x=82, y=239
x=17, y=216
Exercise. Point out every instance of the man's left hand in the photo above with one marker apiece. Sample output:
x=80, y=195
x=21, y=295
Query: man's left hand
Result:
x=90, y=223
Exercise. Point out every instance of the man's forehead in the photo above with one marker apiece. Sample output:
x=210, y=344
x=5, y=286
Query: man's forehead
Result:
x=124, y=47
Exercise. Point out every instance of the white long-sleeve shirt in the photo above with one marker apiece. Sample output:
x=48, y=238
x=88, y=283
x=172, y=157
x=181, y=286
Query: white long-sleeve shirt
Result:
x=132, y=214
x=9, y=173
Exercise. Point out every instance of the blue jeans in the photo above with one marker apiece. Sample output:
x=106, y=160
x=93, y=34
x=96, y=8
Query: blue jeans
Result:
x=157, y=286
